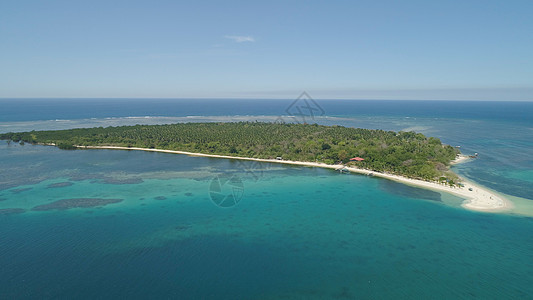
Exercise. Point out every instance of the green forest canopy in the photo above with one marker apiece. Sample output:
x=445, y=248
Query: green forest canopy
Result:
x=404, y=153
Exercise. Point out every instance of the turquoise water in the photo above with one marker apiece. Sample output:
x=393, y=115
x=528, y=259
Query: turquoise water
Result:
x=296, y=232
x=92, y=224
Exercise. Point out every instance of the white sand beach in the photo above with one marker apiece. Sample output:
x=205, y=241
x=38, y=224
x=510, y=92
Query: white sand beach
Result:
x=461, y=158
x=477, y=198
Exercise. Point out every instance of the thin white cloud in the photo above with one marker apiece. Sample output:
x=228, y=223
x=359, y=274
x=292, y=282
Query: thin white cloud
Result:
x=240, y=38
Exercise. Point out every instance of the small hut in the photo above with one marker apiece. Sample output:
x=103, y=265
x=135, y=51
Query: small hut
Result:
x=357, y=159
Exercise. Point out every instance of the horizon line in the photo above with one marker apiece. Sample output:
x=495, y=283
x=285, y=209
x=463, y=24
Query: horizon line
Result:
x=255, y=98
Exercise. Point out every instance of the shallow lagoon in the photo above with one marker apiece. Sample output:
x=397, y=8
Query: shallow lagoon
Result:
x=296, y=232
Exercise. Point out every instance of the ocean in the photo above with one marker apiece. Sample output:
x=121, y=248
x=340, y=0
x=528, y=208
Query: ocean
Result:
x=91, y=224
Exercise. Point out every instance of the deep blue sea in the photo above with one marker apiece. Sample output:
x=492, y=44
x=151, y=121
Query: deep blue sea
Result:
x=89, y=224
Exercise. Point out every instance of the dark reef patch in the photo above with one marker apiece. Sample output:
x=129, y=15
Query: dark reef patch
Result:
x=160, y=198
x=59, y=185
x=182, y=227
x=111, y=180
x=189, y=194
x=76, y=203
x=83, y=176
x=16, y=191
x=10, y=211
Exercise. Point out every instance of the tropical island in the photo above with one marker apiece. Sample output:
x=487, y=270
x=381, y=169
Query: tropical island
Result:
x=408, y=154
x=404, y=156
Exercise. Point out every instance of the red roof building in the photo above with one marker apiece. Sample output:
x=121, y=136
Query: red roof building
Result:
x=357, y=159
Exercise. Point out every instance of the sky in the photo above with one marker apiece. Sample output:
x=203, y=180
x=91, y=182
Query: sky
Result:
x=448, y=50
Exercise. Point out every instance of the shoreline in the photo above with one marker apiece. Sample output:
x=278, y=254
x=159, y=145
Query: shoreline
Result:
x=476, y=197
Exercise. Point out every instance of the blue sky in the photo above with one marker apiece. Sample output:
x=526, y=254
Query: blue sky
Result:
x=473, y=50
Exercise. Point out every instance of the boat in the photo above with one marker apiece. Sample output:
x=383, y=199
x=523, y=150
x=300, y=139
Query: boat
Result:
x=473, y=156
